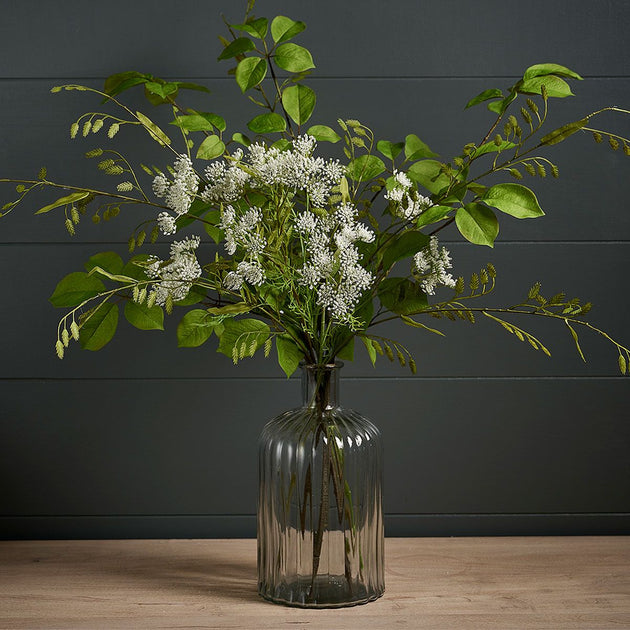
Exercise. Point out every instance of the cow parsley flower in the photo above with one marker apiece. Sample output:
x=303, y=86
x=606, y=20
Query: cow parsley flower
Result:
x=432, y=262
x=410, y=204
x=179, y=193
x=226, y=179
x=333, y=265
x=250, y=272
x=243, y=231
x=176, y=275
x=166, y=223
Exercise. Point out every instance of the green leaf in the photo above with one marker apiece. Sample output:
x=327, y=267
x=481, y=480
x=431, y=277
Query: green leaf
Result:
x=62, y=201
x=289, y=355
x=250, y=72
x=477, y=224
x=100, y=327
x=415, y=149
x=432, y=215
x=402, y=296
x=562, y=133
x=293, y=58
x=322, y=133
x=241, y=139
x=198, y=208
x=187, y=85
x=284, y=28
x=154, y=131
x=239, y=46
x=403, y=246
x=513, y=199
x=256, y=28
x=389, y=149
x=110, y=261
x=298, y=101
x=231, y=309
x=195, y=328
x=365, y=168
x=556, y=87
x=428, y=174
x=212, y=147
x=267, y=123
x=117, y=83
x=498, y=107
x=192, y=122
x=347, y=351
x=75, y=288
x=371, y=350
x=143, y=317
x=491, y=147
x=133, y=270
x=195, y=295
x=543, y=69
x=163, y=90
x=486, y=95
x=239, y=331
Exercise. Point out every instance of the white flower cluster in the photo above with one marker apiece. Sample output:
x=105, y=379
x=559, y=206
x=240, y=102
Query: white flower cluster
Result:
x=178, y=194
x=242, y=231
x=294, y=168
x=177, y=274
x=410, y=204
x=433, y=261
x=250, y=272
x=333, y=265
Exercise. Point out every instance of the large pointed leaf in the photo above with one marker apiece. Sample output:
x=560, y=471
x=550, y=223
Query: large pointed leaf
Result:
x=402, y=296
x=143, y=317
x=298, y=101
x=289, y=355
x=403, y=246
x=514, y=199
x=75, y=288
x=293, y=58
x=63, y=201
x=284, y=28
x=477, y=224
x=239, y=46
x=100, y=327
x=250, y=72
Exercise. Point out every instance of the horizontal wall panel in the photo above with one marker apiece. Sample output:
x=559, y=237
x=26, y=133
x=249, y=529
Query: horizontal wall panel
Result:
x=424, y=38
x=189, y=447
x=244, y=526
x=585, y=203
x=595, y=272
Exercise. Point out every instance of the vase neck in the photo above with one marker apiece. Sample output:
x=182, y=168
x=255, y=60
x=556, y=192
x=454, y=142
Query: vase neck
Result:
x=320, y=385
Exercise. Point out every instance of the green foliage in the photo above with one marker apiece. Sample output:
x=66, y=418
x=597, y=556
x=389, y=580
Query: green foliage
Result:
x=323, y=133
x=401, y=296
x=195, y=328
x=212, y=147
x=109, y=261
x=76, y=288
x=143, y=316
x=284, y=28
x=298, y=102
x=402, y=246
x=389, y=149
x=267, y=123
x=250, y=72
x=242, y=337
x=99, y=326
x=289, y=355
x=64, y=201
x=236, y=48
x=515, y=200
x=415, y=149
x=365, y=168
x=477, y=224
x=293, y=58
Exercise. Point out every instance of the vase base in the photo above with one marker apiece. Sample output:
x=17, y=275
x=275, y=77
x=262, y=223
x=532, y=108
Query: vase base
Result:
x=328, y=593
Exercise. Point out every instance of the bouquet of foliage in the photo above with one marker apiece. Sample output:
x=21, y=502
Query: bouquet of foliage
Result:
x=313, y=251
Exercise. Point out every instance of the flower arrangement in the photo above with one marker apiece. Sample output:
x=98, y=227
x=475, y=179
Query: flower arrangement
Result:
x=299, y=249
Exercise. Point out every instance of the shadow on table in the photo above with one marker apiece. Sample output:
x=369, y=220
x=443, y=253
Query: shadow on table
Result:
x=203, y=571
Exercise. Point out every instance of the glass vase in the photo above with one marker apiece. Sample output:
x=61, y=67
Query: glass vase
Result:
x=320, y=519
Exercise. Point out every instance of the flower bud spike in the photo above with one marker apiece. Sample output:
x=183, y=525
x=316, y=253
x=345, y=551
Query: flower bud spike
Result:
x=59, y=348
x=70, y=227
x=65, y=337
x=74, y=330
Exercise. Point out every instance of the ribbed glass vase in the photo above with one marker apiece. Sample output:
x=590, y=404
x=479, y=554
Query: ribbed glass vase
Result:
x=320, y=519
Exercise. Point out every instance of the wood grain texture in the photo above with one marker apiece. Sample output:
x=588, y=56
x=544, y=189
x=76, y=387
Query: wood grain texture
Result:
x=490, y=583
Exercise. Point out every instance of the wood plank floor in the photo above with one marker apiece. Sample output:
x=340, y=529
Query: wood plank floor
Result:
x=435, y=583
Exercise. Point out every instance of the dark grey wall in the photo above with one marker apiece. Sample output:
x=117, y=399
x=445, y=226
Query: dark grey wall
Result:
x=143, y=439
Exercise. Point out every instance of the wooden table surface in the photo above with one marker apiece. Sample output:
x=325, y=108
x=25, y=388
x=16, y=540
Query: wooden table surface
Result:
x=456, y=583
